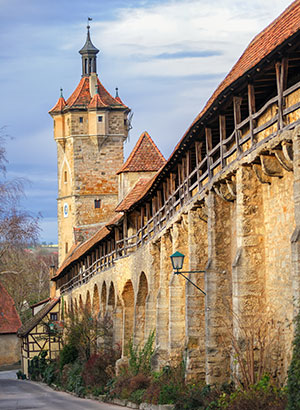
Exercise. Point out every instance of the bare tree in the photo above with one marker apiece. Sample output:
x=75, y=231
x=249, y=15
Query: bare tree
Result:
x=18, y=229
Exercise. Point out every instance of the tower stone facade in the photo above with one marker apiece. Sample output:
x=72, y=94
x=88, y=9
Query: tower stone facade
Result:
x=89, y=129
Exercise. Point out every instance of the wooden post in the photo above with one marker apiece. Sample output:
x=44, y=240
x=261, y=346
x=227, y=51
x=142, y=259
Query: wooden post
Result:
x=281, y=81
x=188, y=171
x=237, y=101
x=198, y=146
x=208, y=138
x=251, y=106
x=142, y=224
x=148, y=218
x=222, y=128
x=117, y=238
x=125, y=233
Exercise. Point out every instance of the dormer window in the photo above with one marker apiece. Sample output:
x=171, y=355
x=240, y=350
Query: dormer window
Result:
x=81, y=119
x=100, y=118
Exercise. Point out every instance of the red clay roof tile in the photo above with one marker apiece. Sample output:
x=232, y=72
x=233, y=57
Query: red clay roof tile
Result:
x=145, y=156
x=135, y=194
x=59, y=106
x=9, y=318
x=79, y=250
x=81, y=97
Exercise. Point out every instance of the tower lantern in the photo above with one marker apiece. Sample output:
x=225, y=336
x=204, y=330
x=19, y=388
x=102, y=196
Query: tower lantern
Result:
x=89, y=56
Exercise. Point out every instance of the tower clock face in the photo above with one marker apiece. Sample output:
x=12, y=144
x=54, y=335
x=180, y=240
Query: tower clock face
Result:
x=66, y=210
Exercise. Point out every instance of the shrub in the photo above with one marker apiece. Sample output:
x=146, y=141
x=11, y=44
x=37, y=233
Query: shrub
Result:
x=293, y=383
x=74, y=379
x=51, y=373
x=140, y=358
x=68, y=354
x=101, y=367
x=38, y=365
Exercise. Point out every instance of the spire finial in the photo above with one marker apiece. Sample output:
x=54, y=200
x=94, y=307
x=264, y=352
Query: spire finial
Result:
x=61, y=93
x=117, y=93
x=88, y=23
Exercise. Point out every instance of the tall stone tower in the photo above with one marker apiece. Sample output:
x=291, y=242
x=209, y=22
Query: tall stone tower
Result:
x=89, y=129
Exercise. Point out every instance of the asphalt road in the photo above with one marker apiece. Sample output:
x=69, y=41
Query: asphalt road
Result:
x=24, y=394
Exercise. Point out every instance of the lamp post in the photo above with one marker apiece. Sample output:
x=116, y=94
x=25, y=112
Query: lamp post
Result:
x=177, y=262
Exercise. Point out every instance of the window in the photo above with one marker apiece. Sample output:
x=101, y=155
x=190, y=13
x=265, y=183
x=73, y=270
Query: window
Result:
x=80, y=119
x=66, y=247
x=65, y=176
x=97, y=203
x=100, y=118
x=53, y=316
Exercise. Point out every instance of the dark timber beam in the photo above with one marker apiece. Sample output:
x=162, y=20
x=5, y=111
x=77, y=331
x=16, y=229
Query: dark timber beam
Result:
x=252, y=110
x=222, y=128
x=281, y=81
x=237, y=102
x=208, y=139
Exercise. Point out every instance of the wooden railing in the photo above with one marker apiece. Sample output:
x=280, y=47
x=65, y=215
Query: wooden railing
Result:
x=202, y=174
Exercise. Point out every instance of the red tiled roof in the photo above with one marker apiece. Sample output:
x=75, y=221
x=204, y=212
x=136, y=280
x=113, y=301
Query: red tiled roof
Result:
x=9, y=318
x=145, y=156
x=59, y=106
x=96, y=102
x=81, y=97
x=79, y=250
x=135, y=194
x=283, y=27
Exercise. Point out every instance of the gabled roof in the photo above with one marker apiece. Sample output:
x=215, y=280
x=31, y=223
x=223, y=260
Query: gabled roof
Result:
x=34, y=320
x=9, y=318
x=81, y=97
x=79, y=250
x=145, y=156
x=135, y=194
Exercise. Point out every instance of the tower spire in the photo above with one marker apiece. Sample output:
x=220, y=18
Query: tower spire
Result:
x=88, y=54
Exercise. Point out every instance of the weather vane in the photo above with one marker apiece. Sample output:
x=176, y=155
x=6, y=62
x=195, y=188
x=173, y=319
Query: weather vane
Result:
x=88, y=21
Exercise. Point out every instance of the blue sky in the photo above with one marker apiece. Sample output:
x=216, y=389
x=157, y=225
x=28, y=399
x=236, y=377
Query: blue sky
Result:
x=166, y=58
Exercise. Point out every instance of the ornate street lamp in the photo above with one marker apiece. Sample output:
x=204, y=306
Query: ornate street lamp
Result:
x=177, y=262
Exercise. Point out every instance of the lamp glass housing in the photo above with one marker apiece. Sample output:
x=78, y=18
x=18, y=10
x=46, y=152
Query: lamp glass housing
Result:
x=177, y=260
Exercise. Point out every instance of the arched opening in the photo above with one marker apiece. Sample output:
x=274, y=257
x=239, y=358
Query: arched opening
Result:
x=128, y=314
x=75, y=307
x=111, y=300
x=96, y=301
x=103, y=299
x=80, y=305
x=88, y=305
x=140, y=310
x=118, y=324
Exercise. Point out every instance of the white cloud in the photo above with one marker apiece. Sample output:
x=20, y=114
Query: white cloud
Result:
x=178, y=26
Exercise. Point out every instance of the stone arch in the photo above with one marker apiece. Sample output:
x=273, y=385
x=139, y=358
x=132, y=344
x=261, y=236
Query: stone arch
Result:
x=103, y=299
x=128, y=314
x=96, y=301
x=140, y=310
x=88, y=305
x=111, y=299
x=118, y=323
